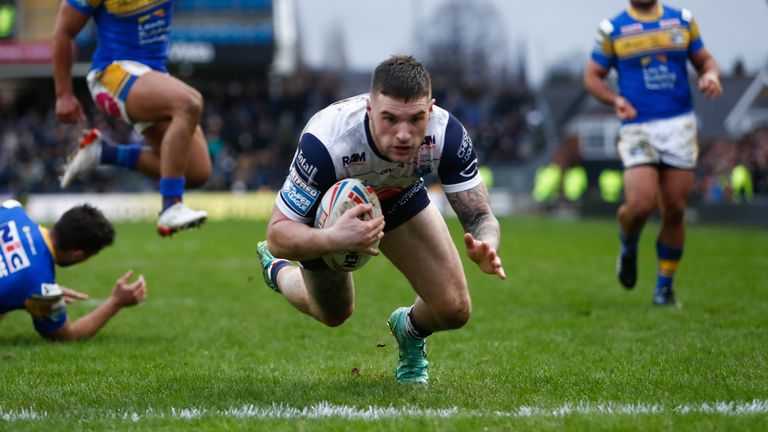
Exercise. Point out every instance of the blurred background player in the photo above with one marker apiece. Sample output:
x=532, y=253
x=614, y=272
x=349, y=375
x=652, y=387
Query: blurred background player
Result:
x=649, y=45
x=27, y=270
x=398, y=136
x=129, y=81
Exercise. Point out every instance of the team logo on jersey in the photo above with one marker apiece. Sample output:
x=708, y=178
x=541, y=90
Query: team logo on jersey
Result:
x=13, y=251
x=677, y=37
x=355, y=159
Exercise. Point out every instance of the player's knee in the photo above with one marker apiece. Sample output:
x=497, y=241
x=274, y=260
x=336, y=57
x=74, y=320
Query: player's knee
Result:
x=457, y=314
x=198, y=177
x=641, y=207
x=337, y=318
x=673, y=214
x=191, y=105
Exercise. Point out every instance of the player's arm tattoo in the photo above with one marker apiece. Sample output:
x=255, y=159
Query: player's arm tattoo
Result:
x=473, y=208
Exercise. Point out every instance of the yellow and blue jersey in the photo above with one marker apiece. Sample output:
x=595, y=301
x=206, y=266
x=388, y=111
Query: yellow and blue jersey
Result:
x=137, y=30
x=650, y=56
x=27, y=270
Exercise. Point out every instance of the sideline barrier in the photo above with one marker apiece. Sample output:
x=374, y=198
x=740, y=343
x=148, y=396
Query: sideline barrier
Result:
x=219, y=205
x=145, y=206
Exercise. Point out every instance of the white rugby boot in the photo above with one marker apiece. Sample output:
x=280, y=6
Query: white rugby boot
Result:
x=179, y=217
x=85, y=159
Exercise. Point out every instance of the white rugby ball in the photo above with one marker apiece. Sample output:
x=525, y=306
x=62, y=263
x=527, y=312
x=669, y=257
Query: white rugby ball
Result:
x=342, y=196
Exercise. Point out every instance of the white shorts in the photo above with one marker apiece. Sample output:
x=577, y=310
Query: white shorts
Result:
x=110, y=86
x=672, y=142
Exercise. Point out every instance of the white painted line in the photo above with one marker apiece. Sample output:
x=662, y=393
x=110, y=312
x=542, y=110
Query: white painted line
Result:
x=327, y=410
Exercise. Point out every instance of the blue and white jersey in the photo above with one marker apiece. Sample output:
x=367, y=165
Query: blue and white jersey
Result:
x=137, y=30
x=336, y=143
x=650, y=56
x=27, y=270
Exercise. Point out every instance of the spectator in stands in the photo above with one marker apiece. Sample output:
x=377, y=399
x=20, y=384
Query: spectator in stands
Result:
x=650, y=44
x=129, y=80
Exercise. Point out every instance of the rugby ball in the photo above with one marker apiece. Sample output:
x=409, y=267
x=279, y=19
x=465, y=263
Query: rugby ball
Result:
x=342, y=196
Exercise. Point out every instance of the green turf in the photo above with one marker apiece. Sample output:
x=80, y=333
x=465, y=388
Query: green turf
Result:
x=559, y=333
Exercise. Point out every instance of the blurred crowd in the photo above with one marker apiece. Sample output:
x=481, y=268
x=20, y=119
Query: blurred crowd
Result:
x=253, y=127
x=734, y=171
x=252, y=130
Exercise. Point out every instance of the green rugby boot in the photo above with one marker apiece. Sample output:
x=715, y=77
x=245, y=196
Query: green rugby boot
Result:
x=412, y=366
x=269, y=264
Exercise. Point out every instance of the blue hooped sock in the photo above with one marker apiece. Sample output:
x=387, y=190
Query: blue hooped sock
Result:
x=669, y=259
x=172, y=190
x=628, y=244
x=108, y=154
x=126, y=156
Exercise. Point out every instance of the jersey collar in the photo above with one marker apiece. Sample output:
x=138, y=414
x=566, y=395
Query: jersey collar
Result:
x=638, y=16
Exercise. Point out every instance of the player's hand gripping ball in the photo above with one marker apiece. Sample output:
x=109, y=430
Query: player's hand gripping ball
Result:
x=342, y=196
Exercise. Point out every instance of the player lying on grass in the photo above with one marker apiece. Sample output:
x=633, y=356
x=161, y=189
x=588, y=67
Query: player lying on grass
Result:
x=27, y=269
x=389, y=138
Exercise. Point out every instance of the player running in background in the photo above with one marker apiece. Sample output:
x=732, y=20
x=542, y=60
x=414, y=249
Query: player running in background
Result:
x=390, y=138
x=649, y=45
x=27, y=266
x=129, y=81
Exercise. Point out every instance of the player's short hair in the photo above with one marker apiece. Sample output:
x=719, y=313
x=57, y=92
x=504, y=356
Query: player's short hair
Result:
x=401, y=77
x=83, y=228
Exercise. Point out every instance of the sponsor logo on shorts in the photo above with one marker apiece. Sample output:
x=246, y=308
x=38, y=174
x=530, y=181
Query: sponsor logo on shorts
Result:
x=13, y=251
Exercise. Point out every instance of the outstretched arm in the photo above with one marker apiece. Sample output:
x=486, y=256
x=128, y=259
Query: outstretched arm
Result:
x=481, y=228
x=69, y=22
x=124, y=294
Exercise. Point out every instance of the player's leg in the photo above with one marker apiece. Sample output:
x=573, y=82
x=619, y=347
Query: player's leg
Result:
x=316, y=290
x=157, y=97
x=640, y=198
x=198, y=164
x=422, y=249
x=676, y=186
x=678, y=151
x=109, y=89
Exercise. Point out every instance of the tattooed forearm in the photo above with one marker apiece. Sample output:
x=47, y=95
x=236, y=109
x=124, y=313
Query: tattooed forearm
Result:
x=474, y=211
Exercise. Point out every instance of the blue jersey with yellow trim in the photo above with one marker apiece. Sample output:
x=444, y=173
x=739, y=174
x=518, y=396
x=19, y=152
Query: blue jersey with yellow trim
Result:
x=27, y=270
x=136, y=30
x=650, y=56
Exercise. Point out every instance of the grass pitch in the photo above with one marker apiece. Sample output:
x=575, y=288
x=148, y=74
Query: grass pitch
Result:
x=558, y=346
